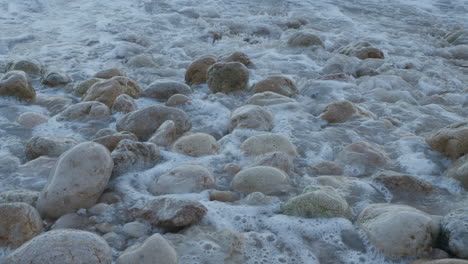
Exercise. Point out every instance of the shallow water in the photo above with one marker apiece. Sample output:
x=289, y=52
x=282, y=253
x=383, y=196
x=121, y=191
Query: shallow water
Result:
x=83, y=37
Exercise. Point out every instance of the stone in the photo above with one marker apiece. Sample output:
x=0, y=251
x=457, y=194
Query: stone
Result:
x=317, y=202
x=9, y=163
x=111, y=141
x=326, y=168
x=105, y=92
x=177, y=99
x=162, y=89
x=362, y=50
x=458, y=170
x=277, y=84
x=132, y=155
x=186, y=178
x=341, y=64
x=364, y=155
x=268, y=142
x=196, y=145
x=268, y=98
x=223, y=196
x=19, y=196
x=135, y=229
x=32, y=68
x=142, y=61
x=64, y=246
x=144, y=122
x=165, y=135
x=154, y=248
x=251, y=117
x=129, y=86
x=98, y=209
x=108, y=73
x=196, y=72
x=232, y=168
x=56, y=78
x=55, y=104
x=82, y=87
x=278, y=160
x=264, y=179
x=304, y=39
x=17, y=84
x=237, y=56
x=72, y=221
x=453, y=233
x=173, y=213
x=227, y=77
x=369, y=67
x=124, y=104
x=115, y=240
x=341, y=111
x=78, y=179
x=85, y=111
x=400, y=182
x=452, y=140
x=397, y=230
x=48, y=146
x=260, y=199
x=19, y=222
x=31, y=119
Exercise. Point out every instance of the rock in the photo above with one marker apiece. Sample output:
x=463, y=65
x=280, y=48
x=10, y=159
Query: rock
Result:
x=341, y=111
x=457, y=37
x=19, y=196
x=260, y=199
x=223, y=196
x=397, y=230
x=72, y=221
x=142, y=61
x=105, y=92
x=55, y=104
x=227, y=77
x=296, y=23
x=196, y=72
x=173, y=213
x=105, y=227
x=369, y=67
x=19, y=222
x=327, y=168
x=99, y=208
x=251, y=117
x=264, y=179
x=269, y=98
x=453, y=233
x=63, y=246
x=268, y=142
x=110, y=197
x=143, y=123
x=154, y=248
x=364, y=155
x=115, y=240
x=165, y=135
x=9, y=163
x=56, y=78
x=451, y=140
x=31, y=119
x=237, y=57
x=82, y=87
x=177, y=99
x=277, y=84
x=85, y=111
x=278, y=160
x=124, y=104
x=341, y=64
x=400, y=182
x=109, y=73
x=32, y=68
x=165, y=89
x=48, y=146
x=78, y=179
x=112, y=140
x=186, y=178
x=304, y=39
x=129, y=86
x=135, y=229
x=459, y=170
x=362, y=50
x=317, y=202
x=232, y=168
x=132, y=155
x=196, y=145
x=17, y=84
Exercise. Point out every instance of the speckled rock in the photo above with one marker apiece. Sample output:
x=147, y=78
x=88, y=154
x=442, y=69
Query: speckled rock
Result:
x=277, y=84
x=264, y=179
x=196, y=72
x=227, y=77
x=165, y=89
x=19, y=222
x=196, y=145
x=132, y=155
x=268, y=142
x=251, y=117
x=48, y=146
x=17, y=84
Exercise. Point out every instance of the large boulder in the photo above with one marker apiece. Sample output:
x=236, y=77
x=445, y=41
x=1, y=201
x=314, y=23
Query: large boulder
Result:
x=268, y=98
x=143, y=123
x=155, y=248
x=186, y=178
x=277, y=84
x=251, y=117
x=63, y=246
x=317, y=202
x=19, y=222
x=304, y=39
x=451, y=140
x=78, y=179
x=112, y=139
x=48, y=146
x=31, y=119
x=264, y=179
x=165, y=89
x=227, y=77
x=342, y=111
x=17, y=84
x=268, y=142
x=132, y=155
x=454, y=233
x=459, y=170
x=397, y=230
x=172, y=213
x=196, y=72
x=196, y=145
x=85, y=111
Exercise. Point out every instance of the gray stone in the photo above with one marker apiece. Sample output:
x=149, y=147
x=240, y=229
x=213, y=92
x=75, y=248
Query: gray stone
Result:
x=56, y=78
x=304, y=39
x=132, y=155
x=165, y=89
x=264, y=179
x=268, y=142
x=48, y=146
x=110, y=141
x=196, y=145
x=85, y=111
x=454, y=233
x=31, y=119
x=124, y=104
x=251, y=117
x=155, y=248
x=19, y=222
x=277, y=84
x=17, y=84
